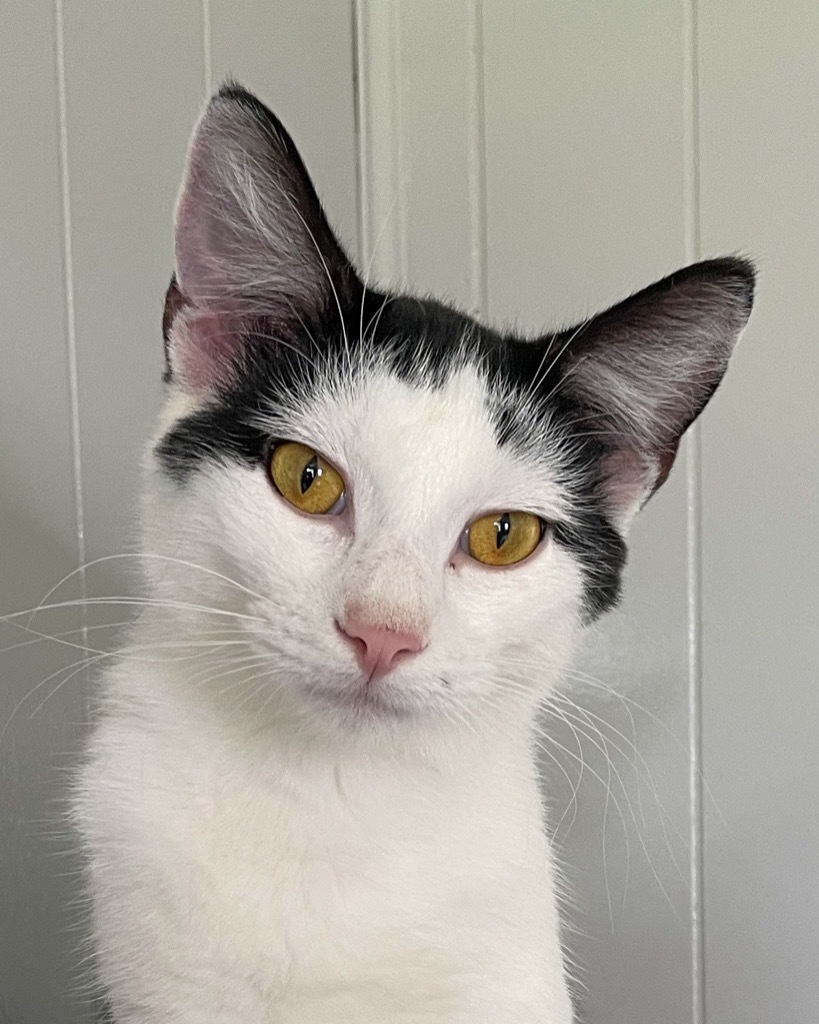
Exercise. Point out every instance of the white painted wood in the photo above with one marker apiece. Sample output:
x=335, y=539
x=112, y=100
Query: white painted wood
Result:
x=38, y=523
x=422, y=145
x=134, y=86
x=759, y=94
x=380, y=100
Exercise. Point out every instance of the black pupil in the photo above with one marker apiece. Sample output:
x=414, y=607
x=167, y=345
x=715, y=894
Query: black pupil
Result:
x=502, y=528
x=309, y=474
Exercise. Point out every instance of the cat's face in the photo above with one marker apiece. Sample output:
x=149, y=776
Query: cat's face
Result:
x=402, y=514
x=418, y=465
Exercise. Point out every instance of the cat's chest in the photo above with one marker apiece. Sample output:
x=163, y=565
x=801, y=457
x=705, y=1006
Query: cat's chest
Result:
x=314, y=887
x=328, y=892
x=340, y=851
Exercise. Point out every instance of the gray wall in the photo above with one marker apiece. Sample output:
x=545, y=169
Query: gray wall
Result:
x=533, y=160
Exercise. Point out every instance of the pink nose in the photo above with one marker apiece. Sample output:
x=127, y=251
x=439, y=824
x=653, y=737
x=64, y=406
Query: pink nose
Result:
x=378, y=648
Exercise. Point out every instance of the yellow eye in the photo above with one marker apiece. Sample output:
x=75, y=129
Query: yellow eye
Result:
x=305, y=479
x=504, y=538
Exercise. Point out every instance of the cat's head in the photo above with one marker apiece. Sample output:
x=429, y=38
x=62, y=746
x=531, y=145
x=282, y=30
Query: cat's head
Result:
x=401, y=513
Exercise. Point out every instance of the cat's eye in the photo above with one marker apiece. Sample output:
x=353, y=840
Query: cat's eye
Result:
x=306, y=479
x=504, y=538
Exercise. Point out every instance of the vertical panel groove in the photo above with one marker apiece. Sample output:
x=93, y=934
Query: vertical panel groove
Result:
x=477, y=163
x=381, y=150
x=691, y=135
x=68, y=286
x=401, y=171
x=207, y=49
x=360, y=100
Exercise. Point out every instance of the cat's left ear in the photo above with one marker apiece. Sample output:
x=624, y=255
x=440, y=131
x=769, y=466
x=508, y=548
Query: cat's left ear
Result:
x=637, y=375
x=251, y=241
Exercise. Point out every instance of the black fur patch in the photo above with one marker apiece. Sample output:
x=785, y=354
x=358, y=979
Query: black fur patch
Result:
x=421, y=340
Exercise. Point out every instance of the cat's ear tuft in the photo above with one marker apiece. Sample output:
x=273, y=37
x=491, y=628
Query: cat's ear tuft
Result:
x=251, y=238
x=642, y=371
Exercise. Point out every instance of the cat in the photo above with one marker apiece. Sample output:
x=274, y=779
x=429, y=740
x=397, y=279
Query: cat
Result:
x=373, y=531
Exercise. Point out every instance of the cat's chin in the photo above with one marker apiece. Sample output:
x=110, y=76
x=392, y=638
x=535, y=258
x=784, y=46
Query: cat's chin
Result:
x=365, y=702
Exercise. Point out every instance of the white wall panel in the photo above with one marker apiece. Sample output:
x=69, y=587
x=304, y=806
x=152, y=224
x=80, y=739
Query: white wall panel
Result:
x=760, y=193
x=38, y=521
x=134, y=84
x=422, y=114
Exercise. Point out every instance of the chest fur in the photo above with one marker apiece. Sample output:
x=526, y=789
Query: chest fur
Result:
x=316, y=888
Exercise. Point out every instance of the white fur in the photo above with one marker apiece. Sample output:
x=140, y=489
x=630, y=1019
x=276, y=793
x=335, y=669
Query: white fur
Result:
x=262, y=847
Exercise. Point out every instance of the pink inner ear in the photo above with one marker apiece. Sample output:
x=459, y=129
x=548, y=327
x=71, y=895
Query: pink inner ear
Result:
x=205, y=348
x=629, y=480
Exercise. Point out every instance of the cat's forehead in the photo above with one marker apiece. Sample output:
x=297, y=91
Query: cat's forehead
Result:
x=380, y=412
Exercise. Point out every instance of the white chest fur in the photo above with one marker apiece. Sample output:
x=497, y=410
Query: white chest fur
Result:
x=238, y=883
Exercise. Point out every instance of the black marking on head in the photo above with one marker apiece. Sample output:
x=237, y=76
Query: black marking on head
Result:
x=422, y=342
x=591, y=536
x=217, y=433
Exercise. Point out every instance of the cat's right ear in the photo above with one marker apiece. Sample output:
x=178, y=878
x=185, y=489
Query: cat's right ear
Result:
x=639, y=374
x=252, y=242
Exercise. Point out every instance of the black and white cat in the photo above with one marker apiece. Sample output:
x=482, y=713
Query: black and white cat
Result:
x=373, y=532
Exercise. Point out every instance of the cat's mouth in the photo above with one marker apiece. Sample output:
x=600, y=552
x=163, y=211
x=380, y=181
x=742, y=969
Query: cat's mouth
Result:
x=366, y=700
